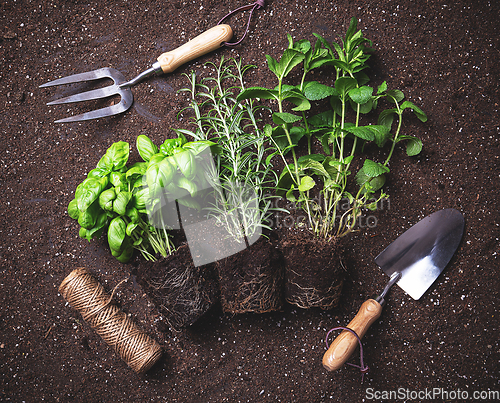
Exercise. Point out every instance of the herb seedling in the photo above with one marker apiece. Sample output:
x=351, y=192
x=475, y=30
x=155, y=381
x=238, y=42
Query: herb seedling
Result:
x=242, y=177
x=339, y=129
x=110, y=200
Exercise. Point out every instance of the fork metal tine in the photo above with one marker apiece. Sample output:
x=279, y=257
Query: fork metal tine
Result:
x=99, y=113
x=88, y=95
x=105, y=72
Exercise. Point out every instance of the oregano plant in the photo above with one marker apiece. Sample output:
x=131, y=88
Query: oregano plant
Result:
x=318, y=182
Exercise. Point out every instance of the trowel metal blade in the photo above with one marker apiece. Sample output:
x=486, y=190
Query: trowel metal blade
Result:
x=423, y=251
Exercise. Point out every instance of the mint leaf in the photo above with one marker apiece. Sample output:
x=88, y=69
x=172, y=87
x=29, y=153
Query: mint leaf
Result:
x=376, y=133
x=374, y=169
x=315, y=91
x=361, y=95
x=306, y=183
x=416, y=110
x=257, y=92
x=281, y=118
x=414, y=146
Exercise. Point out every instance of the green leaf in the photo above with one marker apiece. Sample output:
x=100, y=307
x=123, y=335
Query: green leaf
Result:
x=186, y=184
x=155, y=159
x=141, y=199
x=285, y=180
x=132, y=213
x=314, y=157
x=257, y=92
x=146, y=147
x=88, y=192
x=98, y=228
x=154, y=180
x=315, y=166
x=361, y=95
x=323, y=119
x=97, y=173
x=136, y=171
x=126, y=255
x=185, y=162
x=289, y=194
x=106, y=199
x=369, y=133
x=414, y=145
x=302, y=45
x=131, y=226
x=344, y=84
x=117, y=232
x=121, y=202
x=416, y=110
x=396, y=95
x=117, y=178
x=366, y=107
x=315, y=91
x=197, y=147
x=306, y=183
x=295, y=97
x=116, y=156
x=281, y=118
x=73, y=211
x=382, y=88
x=289, y=60
x=374, y=169
x=189, y=202
x=386, y=117
x=88, y=217
x=272, y=65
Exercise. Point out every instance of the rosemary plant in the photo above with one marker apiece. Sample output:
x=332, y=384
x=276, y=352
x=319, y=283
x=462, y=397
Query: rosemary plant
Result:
x=241, y=177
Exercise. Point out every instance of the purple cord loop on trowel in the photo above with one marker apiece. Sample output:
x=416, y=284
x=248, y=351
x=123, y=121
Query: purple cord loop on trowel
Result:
x=254, y=6
x=364, y=368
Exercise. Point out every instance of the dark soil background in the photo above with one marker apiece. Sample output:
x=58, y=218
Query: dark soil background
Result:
x=445, y=57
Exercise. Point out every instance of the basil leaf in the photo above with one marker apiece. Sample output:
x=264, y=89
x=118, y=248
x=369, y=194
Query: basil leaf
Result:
x=186, y=163
x=197, y=147
x=88, y=192
x=126, y=255
x=106, y=199
x=146, y=147
x=116, y=156
x=121, y=202
x=188, y=185
x=88, y=217
x=116, y=233
x=155, y=159
x=73, y=211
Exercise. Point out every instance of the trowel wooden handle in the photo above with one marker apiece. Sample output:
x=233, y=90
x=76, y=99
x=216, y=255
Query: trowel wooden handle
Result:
x=204, y=43
x=345, y=344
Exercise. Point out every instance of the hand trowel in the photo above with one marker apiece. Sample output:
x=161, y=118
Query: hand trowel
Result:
x=413, y=262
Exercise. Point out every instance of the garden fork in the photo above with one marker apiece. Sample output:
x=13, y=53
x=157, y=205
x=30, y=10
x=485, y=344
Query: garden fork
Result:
x=204, y=43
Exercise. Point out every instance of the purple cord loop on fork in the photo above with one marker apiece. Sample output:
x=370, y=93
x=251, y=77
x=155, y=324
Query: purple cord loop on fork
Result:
x=254, y=6
x=363, y=368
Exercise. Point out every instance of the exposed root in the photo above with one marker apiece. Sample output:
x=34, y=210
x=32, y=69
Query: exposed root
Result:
x=258, y=295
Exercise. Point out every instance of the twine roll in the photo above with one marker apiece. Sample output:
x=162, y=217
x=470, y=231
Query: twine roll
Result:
x=85, y=294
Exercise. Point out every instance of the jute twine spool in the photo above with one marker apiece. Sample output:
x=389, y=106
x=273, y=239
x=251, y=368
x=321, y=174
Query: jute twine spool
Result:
x=87, y=295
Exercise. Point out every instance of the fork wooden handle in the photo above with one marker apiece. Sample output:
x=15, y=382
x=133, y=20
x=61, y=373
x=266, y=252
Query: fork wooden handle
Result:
x=345, y=344
x=202, y=44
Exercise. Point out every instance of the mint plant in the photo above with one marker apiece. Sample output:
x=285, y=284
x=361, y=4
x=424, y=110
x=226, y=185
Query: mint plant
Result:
x=340, y=129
